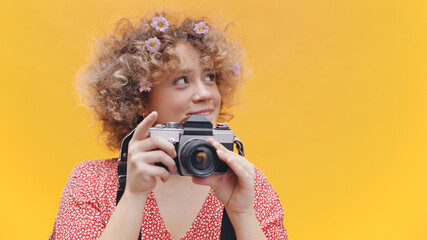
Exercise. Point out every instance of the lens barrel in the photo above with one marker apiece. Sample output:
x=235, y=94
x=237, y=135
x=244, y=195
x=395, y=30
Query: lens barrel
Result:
x=199, y=157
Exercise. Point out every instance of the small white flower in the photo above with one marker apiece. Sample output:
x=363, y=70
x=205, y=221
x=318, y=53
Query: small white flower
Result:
x=152, y=44
x=201, y=28
x=145, y=86
x=160, y=23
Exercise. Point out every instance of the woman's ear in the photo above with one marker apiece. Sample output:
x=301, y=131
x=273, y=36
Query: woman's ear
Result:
x=142, y=110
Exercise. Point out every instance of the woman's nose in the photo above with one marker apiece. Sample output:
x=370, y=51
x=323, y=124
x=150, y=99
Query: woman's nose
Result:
x=201, y=92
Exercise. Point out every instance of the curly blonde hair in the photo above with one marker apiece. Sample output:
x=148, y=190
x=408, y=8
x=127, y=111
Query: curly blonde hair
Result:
x=109, y=84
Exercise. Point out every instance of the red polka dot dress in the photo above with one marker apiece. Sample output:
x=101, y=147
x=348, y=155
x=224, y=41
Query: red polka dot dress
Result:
x=89, y=199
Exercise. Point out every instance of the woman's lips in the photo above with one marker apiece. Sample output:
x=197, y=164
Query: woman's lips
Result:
x=204, y=112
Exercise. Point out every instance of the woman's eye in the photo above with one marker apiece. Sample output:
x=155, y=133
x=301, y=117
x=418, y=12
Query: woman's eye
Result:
x=181, y=81
x=210, y=77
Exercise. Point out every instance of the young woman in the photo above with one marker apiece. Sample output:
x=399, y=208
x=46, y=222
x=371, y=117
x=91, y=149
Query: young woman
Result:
x=164, y=69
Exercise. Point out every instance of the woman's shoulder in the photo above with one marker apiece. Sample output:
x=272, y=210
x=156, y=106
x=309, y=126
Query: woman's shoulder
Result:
x=91, y=177
x=260, y=178
x=263, y=188
x=268, y=208
x=96, y=168
x=95, y=171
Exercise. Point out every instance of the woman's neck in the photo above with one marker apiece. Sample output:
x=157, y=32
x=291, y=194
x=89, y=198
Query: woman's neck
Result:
x=179, y=185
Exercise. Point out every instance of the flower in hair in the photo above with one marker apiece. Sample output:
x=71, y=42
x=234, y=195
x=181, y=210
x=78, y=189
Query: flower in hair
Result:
x=160, y=23
x=236, y=68
x=152, y=44
x=145, y=86
x=201, y=28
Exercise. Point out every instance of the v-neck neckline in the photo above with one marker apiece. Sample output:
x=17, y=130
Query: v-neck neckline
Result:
x=196, y=219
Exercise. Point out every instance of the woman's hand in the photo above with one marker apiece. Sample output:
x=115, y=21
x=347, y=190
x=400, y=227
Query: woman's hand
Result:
x=235, y=189
x=143, y=152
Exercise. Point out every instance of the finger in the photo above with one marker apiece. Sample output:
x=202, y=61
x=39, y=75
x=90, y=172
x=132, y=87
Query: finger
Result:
x=211, y=180
x=154, y=143
x=158, y=156
x=165, y=177
x=216, y=144
x=241, y=167
x=155, y=171
x=219, y=146
x=143, y=128
x=227, y=154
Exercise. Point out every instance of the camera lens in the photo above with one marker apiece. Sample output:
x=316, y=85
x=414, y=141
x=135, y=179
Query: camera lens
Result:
x=199, y=158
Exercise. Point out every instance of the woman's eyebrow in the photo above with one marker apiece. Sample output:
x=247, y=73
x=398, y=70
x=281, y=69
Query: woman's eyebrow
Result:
x=187, y=70
x=184, y=71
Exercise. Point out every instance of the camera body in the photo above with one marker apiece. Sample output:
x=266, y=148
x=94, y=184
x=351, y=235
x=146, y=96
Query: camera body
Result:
x=195, y=155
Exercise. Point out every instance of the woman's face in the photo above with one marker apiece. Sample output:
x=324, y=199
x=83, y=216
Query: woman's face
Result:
x=190, y=90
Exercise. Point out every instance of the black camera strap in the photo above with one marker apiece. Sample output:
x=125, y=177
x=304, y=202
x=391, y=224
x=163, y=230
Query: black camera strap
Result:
x=227, y=230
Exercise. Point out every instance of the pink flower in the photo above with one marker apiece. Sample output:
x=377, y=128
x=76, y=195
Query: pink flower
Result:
x=145, y=86
x=152, y=44
x=160, y=23
x=201, y=28
x=236, y=68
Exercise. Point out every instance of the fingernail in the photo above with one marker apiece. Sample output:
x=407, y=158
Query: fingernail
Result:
x=152, y=114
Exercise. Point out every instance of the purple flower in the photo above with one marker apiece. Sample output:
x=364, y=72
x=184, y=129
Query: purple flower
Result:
x=160, y=23
x=152, y=44
x=201, y=28
x=145, y=86
x=236, y=68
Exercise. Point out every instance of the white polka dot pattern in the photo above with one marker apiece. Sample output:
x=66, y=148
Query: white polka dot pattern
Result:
x=89, y=199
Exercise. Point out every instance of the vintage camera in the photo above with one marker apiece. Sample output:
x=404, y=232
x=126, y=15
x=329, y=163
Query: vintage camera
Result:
x=195, y=155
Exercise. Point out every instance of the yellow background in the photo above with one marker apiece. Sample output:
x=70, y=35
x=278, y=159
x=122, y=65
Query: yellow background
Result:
x=334, y=112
